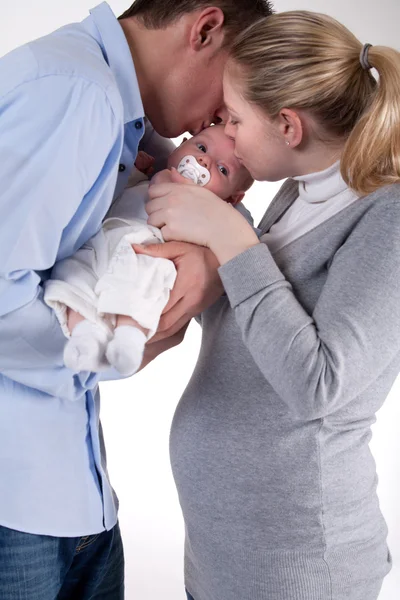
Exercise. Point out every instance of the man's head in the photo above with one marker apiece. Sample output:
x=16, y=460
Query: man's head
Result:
x=214, y=151
x=180, y=48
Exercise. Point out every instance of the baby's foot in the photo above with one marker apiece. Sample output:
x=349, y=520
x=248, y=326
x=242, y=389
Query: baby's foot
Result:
x=125, y=350
x=86, y=348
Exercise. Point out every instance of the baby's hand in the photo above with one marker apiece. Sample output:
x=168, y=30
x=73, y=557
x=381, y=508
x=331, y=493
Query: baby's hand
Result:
x=145, y=163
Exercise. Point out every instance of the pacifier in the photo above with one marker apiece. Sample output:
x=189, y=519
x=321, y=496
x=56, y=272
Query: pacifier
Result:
x=191, y=169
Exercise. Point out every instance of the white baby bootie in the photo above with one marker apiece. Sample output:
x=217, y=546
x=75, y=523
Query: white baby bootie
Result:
x=86, y=348
x=125, y=350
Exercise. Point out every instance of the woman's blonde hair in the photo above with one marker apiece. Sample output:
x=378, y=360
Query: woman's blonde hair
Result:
x=305, y=60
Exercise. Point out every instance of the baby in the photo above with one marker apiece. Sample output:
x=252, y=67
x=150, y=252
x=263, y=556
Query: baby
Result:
x=107, y=298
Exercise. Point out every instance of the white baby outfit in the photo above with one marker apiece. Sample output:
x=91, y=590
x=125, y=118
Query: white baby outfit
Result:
x=106, y=278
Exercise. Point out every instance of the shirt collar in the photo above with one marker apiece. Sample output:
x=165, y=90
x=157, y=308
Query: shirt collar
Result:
x=319, y=187
x=111, y=38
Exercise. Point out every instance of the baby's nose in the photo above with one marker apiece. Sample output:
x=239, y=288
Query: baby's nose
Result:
x=205, y=161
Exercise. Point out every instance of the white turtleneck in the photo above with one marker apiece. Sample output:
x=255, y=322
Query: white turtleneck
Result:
x=321, y=195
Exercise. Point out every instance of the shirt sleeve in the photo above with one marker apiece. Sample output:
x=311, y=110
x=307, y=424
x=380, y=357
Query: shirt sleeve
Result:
x=317, y=363
x=57, y=135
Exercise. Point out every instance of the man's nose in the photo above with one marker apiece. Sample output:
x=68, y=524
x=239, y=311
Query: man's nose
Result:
x=221, y=115
x=205, y=161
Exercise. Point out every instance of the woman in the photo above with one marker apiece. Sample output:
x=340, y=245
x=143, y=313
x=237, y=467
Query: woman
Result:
x=269, y=444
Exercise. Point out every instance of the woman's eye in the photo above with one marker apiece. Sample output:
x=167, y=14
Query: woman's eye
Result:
x=202, y=147
x=223, y=170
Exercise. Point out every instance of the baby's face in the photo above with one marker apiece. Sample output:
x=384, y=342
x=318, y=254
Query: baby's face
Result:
x=213, y=150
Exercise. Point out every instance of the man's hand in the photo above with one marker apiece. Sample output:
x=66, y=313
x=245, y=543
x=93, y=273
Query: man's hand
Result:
x=155, y=348
x=197, y=286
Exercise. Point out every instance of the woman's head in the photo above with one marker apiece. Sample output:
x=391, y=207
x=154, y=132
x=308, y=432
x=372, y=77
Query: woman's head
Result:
x=300, y=72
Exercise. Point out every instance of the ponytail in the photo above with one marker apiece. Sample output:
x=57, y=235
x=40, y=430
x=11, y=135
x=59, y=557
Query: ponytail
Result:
x=310, y=61
x=371, y=157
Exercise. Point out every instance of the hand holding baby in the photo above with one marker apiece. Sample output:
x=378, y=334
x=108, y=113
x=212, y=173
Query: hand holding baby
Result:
x=198, y=216
x=169, y=176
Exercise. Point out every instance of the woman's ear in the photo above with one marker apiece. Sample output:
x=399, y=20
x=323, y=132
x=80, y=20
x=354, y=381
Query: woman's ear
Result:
x=290, y=127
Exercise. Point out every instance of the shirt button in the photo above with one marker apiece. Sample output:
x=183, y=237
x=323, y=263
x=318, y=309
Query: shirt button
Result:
x=122, y=168
x=138, y=125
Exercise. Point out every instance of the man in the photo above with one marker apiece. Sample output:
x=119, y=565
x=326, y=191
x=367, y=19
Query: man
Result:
x=72, y=115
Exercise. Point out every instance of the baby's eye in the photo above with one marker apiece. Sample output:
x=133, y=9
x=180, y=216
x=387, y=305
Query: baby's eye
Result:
x=202, y=147
x=223, y=170
x=232, y=121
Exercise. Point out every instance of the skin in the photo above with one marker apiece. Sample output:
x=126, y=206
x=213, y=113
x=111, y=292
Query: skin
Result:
x=215, y=151
x=261, y=145
x=191, y=97
x=271, y=149
x=212, y=149
x=212, y=222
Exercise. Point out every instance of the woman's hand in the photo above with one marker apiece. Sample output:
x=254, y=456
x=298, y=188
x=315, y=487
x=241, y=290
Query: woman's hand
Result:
x=189, y=213
x=163, y=176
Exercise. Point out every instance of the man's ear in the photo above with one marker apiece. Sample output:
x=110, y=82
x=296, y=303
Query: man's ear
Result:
x=235, y=198
x=207, y=29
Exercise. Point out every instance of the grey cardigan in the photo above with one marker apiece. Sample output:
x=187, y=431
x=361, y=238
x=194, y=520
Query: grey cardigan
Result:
x=269, y=443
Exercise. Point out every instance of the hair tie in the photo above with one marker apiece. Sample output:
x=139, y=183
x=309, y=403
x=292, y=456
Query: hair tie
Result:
x=364, y=57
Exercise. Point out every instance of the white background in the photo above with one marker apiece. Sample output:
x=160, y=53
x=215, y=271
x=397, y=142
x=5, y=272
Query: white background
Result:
x=137, y=413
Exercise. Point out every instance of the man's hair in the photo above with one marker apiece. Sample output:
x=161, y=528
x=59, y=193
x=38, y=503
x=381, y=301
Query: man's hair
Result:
x=239, y=14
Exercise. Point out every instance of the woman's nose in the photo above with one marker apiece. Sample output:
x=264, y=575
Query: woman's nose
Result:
x=229, y=131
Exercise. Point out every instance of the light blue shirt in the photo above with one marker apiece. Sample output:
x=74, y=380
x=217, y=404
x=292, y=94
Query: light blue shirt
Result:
x=71, y=119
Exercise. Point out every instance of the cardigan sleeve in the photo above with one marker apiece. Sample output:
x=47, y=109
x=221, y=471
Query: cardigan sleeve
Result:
x=319, y=362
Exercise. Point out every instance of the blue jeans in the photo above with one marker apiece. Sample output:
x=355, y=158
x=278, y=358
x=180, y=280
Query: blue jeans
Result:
x=40, y=567
x=189, y=597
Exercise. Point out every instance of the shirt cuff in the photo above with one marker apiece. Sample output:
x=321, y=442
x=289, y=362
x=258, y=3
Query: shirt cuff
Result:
x=248, y=273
